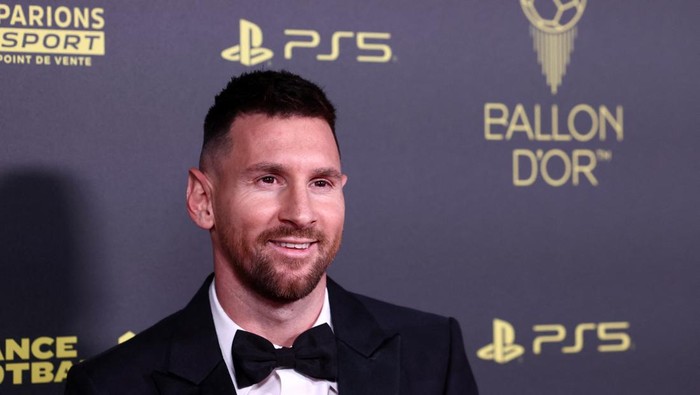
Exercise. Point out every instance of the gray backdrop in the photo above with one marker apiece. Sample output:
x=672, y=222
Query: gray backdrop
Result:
x=595, y=286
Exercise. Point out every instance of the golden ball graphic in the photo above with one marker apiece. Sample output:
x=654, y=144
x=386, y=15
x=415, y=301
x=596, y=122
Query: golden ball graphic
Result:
x=553, y=16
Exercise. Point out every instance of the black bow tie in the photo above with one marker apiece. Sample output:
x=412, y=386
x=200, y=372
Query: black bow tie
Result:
x=312, y=354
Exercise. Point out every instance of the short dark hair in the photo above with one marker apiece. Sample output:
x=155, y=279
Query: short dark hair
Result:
x=273, y=93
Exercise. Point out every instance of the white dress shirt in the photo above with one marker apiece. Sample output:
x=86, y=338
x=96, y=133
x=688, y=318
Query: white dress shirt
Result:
x=280, y=381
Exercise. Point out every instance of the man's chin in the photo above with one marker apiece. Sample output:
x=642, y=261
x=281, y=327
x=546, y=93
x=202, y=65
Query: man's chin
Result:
x=289, y=291
x=290, y=284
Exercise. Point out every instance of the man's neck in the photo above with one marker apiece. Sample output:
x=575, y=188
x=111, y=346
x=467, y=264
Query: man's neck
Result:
x=280, y=323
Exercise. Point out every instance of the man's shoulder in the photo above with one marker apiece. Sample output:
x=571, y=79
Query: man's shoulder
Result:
x=428, y=347
x=135, y=358
x=148, y=342
x=392, y=318
x=398, y=315
x=128, y=367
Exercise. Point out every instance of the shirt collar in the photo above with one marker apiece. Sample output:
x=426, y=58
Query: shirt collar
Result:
x=226, y=328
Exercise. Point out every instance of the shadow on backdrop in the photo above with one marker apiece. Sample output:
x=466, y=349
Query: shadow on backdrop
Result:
x=41, y=252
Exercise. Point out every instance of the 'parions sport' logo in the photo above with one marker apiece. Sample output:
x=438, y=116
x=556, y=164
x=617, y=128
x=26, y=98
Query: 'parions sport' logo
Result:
x=51, y=34
x=609, y=337
x=372, y=46
x=553, y=37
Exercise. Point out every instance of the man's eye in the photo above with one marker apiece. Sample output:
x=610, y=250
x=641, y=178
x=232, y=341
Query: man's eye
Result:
x=322, y=183
x=268, y=180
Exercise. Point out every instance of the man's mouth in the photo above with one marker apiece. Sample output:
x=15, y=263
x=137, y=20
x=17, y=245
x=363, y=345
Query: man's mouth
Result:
x=294, y=243
x=296, y=246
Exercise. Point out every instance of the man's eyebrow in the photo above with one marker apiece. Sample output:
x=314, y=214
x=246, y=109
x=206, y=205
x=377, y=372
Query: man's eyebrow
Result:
x=327, y=172
x=265, y=167
x=276, y=168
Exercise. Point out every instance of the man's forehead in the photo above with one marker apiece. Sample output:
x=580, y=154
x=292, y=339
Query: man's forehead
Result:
x=256, y=121
x=293, y=141
x=262, y=133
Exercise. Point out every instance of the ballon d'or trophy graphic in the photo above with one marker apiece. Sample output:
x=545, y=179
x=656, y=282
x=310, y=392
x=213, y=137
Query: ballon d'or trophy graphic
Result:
x=553, y=38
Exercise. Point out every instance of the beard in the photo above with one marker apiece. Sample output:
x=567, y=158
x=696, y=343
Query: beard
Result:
x=267, y=276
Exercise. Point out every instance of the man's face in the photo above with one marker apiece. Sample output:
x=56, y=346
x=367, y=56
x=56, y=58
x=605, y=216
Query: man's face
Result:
x=278, y=204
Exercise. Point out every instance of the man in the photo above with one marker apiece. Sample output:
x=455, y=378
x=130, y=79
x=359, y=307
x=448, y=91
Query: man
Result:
x=269, y=189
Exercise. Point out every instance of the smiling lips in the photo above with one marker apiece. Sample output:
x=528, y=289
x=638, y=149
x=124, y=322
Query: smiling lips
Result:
x=296, y=246
x=293, y=245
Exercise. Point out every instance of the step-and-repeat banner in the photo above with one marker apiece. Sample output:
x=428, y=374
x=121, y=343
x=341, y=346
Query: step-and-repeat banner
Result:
x=529, y=167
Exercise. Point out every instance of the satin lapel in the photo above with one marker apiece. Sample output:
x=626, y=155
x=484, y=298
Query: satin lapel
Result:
x=195, y=365
x=368, y=357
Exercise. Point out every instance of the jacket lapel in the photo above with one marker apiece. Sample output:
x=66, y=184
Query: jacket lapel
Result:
x=368, y=357
x=195, y=365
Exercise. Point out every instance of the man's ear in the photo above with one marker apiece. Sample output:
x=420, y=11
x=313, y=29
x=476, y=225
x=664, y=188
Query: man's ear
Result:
x=199, y=199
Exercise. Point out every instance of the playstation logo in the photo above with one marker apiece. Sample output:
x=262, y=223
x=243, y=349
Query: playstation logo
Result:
x=503, y=349
x=249, y=51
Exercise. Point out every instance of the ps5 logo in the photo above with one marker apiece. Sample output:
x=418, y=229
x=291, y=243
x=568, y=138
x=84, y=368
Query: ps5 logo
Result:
x=250, y=51
x=503, y=349
x=611, y=337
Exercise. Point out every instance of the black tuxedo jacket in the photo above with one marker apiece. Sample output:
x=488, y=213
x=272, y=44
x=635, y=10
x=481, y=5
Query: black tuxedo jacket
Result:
x=382, y=349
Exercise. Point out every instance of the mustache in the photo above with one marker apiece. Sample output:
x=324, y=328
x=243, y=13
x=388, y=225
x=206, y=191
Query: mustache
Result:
x=287, y=231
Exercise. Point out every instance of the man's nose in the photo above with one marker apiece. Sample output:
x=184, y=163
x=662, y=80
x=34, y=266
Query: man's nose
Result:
x=297, y=207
